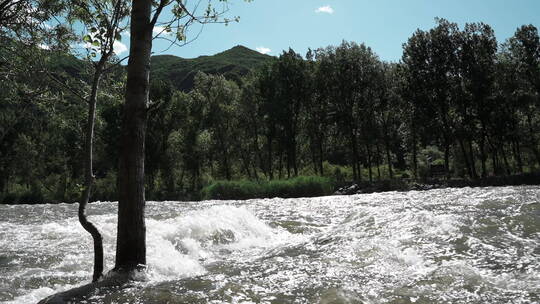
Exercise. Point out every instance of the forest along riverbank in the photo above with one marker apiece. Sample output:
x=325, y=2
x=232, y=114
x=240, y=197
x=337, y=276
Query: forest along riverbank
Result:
x=468, y=245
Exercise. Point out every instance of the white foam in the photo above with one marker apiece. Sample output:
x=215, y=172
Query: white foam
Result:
x=179, y=247
x=36, y=295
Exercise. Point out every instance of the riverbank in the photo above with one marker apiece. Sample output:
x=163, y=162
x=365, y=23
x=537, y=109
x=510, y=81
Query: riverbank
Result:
x=429, y=184
x=320, y=186
x=312, y=186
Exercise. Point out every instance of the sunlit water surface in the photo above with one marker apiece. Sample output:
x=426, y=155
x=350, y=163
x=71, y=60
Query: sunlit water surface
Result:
x=442, y=246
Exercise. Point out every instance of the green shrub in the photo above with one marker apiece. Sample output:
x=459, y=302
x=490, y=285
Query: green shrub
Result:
x=105, y=188
x=337, y=173
x=23, y=194
x=302, y=186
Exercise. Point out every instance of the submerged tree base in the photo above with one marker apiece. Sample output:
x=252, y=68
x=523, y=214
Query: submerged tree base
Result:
x=112, y=281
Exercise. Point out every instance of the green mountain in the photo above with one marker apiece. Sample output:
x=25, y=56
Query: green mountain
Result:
x=232, y=64
x=180, y=72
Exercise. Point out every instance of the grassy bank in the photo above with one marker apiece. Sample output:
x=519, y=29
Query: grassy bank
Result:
x=302, y=186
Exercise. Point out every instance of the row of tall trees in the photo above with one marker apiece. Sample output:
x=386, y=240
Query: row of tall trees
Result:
x=457, y=99
x=472, y=98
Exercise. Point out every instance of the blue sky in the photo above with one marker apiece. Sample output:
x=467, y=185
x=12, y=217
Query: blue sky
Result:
x=384, y=25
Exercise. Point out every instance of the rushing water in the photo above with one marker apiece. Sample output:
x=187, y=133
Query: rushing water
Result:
x=442, y=246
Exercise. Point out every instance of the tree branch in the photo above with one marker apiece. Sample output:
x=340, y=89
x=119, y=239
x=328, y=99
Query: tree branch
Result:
x=162, y=4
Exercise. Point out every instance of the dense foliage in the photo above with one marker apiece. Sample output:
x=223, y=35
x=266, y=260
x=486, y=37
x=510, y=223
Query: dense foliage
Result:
x=458, y=104
x=301, y=186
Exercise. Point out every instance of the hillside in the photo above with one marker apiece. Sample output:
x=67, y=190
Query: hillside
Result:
x=233, y=64
x=180, y=72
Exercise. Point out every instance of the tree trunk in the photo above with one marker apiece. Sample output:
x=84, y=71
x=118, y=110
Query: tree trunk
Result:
x=131, y=239
x=245, y=162
x=518, y=156
x=259, y=157
x=270, y=166
x=288, y=162
x=280, y=162
x=482, y=150
x=465, y=157
x=494, y=158
x=388, y=158
x=505, y=159
x=294, y=162
x=356, y=170
x=89, y=175
x=378, y=161
x=447, y=157
x=473, y=165
x=370, y=171
x=321, y=156
x=225, y=155
x=314, y=160
x=4, y=178
x=414, y=153
x=532, y=139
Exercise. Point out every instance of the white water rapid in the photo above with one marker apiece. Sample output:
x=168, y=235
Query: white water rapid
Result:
x=465, y=245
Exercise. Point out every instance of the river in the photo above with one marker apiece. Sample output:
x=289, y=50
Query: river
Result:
x=470, y=245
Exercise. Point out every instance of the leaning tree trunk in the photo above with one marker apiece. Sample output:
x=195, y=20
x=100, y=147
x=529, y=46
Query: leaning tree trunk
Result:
x=131, y=239
x=89, y=175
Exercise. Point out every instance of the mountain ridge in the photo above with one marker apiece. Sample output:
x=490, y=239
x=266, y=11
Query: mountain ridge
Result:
x=232, y=64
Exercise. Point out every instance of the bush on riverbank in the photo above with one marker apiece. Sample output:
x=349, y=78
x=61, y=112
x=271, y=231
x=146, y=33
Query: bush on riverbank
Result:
x=302, y=186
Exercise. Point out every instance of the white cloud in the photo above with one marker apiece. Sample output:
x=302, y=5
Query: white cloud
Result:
x=119, y=47
x=44, y=46
x=325, y=9
x=263, y=50
x=160, y=30
x=85, y=45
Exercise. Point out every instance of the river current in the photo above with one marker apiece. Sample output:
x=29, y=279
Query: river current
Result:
x=467, y=245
